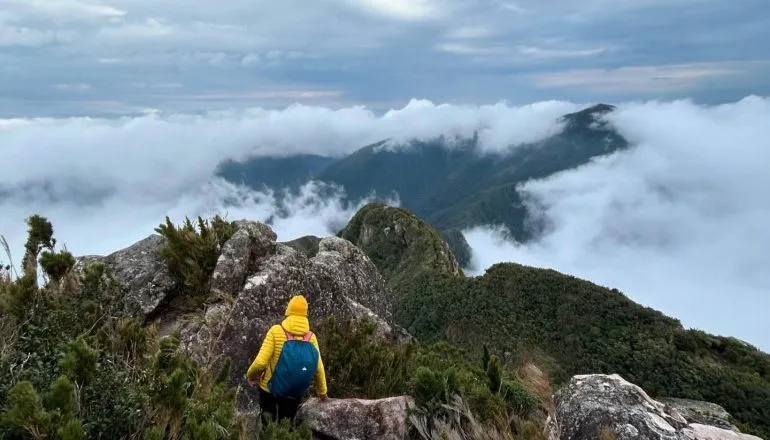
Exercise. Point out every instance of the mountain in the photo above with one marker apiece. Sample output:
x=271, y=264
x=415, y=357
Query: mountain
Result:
x=274, y=172
x=452, y=185
x=567, y=325
x=460, y=186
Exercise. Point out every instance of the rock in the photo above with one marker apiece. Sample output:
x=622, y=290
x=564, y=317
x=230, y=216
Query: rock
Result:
x=340, y=281
x=250, y=243
x=357, y=419
x=704, y=413
x=140, y=270
x=308, y=245
x=704, y=432
x=592, y=404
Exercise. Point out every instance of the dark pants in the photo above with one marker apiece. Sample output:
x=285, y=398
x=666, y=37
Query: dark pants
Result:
x=278, y=407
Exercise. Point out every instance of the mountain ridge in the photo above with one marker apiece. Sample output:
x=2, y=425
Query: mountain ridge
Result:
x=459, y=185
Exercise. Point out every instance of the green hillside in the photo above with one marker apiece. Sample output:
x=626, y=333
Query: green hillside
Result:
x=572, y=326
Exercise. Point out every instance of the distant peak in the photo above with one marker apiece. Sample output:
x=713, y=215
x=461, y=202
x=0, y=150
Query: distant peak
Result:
x=588, y=115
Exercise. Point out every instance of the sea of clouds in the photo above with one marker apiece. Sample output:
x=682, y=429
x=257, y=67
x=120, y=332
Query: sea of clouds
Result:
x=678, y=223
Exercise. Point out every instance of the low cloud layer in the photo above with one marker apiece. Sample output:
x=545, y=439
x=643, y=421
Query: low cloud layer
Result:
x=106, y=183
x=123, y=218
x=166, y=153
x=678, y=223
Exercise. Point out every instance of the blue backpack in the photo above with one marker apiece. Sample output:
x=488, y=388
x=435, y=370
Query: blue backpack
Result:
x=296, y=367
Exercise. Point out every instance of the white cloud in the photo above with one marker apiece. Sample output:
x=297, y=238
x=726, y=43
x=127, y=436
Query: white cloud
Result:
x=469, y=32
x=78, y=87
x=105, y=183
x=126, y=217
x=678, y=223
x=67, y=10
x=400, y=9
x=544, y=53
x=176, y=151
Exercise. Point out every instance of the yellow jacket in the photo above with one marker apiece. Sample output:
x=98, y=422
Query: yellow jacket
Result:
x=266, y=360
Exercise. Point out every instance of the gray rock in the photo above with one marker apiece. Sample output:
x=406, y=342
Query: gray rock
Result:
x=340, y=281
x=140, y=270
x=357, y=419
x=251, y=243
x=590, y=404
x=704, y=413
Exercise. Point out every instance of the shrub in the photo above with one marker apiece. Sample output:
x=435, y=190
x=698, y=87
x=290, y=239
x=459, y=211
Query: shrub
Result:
x=192, y=254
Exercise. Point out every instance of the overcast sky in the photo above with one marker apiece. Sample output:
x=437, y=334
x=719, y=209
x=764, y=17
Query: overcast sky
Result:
x=67, y=57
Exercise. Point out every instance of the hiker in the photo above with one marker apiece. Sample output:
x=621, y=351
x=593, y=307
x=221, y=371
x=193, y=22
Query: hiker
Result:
x=287, y=363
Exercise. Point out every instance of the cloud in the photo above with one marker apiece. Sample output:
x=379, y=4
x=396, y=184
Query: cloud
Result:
x=375, y=51
x=124, y=217
x=400, y=9
x=167, y=152
x=105, y=183
x=678, y=223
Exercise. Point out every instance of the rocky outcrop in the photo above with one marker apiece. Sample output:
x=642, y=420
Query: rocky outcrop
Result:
x=357, y=419
x=259, y=277
x=401, y=244
x=607, y=406
x=252, y=282
x=140, y=270
x=703, y=413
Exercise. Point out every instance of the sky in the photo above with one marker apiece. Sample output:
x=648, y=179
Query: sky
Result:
x=114, y=57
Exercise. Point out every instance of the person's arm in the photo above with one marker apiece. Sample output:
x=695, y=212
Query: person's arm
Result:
x=320, y=374
x=263, y=358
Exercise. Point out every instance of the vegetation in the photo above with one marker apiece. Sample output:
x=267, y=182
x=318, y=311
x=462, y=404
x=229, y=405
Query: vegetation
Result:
x=566, y=325
x=399, y=243
x=452, y=185
x=192, y=255
x=490, y=397
x=74, y=366
x=571, y=326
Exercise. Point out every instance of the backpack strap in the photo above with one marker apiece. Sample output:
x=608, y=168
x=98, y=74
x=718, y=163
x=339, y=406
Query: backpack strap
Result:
x=290, y=337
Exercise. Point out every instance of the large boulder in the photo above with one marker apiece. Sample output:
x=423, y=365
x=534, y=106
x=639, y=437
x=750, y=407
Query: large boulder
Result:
x=141, y=272
x=357, y=419
x=607, y=406
x=339, y=281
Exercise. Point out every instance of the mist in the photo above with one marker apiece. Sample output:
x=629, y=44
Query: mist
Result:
x=677, y=223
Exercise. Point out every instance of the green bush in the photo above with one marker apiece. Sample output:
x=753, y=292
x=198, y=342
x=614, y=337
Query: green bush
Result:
x=192, y=254
x=106, y=374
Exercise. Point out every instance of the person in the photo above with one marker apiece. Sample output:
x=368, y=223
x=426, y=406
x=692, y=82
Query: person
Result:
x=288, y=361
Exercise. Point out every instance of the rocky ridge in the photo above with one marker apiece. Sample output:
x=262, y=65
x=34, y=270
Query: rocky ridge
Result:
x=254, y=278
